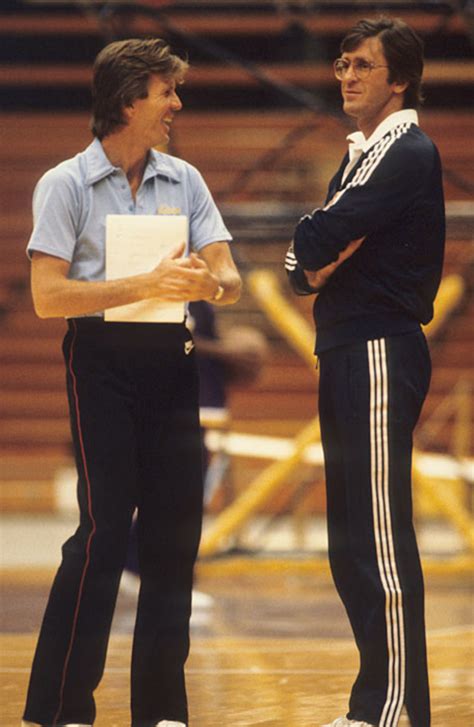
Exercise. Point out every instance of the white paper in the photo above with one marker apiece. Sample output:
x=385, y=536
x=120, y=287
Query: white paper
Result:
x=135, y=244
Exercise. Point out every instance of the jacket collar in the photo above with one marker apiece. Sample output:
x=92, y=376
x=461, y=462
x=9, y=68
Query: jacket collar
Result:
x=358, y=144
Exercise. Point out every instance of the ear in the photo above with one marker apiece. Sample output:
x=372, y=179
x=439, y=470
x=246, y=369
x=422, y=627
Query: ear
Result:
x=128, y=112
x=399, y=87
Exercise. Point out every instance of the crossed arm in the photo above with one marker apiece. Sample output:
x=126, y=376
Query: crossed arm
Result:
x=307, y=282
x=318, y=278
x=197, y=277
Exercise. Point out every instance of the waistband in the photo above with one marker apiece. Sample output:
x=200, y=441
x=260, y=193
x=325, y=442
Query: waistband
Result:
x=366, y=328
x=96, y=329
x=93, y=323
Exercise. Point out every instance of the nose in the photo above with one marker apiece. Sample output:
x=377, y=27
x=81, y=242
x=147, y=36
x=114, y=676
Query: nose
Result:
x=176, y=102
x=350, y=74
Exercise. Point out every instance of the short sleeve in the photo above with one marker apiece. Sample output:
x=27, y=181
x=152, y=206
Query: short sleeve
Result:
x=206, y=223
x=56, y=212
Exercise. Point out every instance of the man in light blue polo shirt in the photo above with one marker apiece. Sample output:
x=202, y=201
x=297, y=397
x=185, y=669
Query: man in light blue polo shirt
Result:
x=133, y=392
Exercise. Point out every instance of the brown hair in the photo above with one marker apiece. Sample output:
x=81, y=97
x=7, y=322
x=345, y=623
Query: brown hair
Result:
x=121, y=74
x=403, y=50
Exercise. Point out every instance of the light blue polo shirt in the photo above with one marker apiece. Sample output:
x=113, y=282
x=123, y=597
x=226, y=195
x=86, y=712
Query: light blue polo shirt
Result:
x=71, y=201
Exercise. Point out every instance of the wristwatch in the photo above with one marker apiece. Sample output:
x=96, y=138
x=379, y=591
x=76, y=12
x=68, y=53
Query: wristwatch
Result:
x=218, y=294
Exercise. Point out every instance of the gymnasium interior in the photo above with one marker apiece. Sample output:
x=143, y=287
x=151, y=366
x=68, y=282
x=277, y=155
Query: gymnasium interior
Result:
x=270, y=642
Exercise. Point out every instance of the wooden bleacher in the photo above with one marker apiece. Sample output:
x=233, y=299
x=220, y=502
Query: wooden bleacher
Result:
x=35, y=142
x=308, y=75
x=53, y=45
x=218, y=23
x=34, y=429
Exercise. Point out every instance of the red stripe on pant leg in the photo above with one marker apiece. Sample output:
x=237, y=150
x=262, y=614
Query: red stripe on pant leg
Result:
x=93, y=530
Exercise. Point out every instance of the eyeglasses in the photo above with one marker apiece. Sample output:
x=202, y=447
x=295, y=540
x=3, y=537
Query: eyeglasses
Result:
x=360, y=67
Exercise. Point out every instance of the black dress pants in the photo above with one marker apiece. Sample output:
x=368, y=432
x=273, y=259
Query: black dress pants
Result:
x=370, y=398
x=133, y=397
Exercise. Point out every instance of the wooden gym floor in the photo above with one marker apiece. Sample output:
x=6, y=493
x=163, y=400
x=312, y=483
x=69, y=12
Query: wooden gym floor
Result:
x=271, y=650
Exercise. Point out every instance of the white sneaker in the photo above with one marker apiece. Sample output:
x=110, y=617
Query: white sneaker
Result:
x=170, y=723
x=344, y=722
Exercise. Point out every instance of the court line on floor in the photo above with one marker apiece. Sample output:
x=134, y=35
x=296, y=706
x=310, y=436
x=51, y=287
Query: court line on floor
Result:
x=252, y=670
x=452, y=630
x=206, y=645
x=203, y=645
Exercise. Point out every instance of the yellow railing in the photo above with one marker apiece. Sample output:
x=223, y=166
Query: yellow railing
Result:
x=265, y=288
x=264, y=485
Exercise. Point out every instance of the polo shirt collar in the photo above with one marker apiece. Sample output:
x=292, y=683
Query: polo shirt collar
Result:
x=358, y=144
x=160, y=165
x=99, y=165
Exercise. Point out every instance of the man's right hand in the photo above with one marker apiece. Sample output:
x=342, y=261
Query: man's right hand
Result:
x=177, y=278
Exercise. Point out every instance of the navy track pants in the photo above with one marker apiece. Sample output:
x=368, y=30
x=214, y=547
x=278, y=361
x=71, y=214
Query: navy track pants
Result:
x=370, y=398
x=133, y=396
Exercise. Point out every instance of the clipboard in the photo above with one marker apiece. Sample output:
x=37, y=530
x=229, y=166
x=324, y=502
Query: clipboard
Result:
x=135, y=244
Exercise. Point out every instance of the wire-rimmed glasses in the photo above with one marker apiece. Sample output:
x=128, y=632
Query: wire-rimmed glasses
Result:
x=362, y=69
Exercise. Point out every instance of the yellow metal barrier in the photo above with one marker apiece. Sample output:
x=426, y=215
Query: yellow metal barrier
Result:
x=462, y=430
x=264, y=485
x=449, y=296
x=265, y=287
x=444, y=501
x=236, y=566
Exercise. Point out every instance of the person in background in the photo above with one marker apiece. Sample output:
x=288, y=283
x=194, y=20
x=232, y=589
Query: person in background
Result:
x=133, y=393
x=235, y=356
x=373, y=255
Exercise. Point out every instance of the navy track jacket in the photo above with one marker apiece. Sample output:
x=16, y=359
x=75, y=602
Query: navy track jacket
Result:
x=394, y=197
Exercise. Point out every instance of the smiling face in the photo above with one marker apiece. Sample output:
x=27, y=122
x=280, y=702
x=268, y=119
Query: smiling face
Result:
x=150, y=118
x=371, y=100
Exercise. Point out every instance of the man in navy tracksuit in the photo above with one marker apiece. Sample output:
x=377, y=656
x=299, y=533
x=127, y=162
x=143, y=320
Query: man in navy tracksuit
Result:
x=373, y=255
